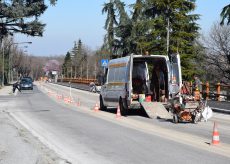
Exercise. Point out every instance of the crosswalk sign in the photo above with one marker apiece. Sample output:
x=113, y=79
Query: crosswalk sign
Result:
x=104, y=62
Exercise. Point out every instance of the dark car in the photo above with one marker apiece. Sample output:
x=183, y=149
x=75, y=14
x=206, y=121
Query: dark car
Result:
x=26, y=83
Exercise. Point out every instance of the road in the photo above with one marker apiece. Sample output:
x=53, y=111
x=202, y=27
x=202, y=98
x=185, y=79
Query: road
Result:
x=80, y=135
x=221, y=107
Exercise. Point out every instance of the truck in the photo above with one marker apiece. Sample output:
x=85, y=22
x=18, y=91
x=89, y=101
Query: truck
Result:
x=129, y=84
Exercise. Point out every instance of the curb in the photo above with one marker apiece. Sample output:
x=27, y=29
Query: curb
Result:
x=219, y=110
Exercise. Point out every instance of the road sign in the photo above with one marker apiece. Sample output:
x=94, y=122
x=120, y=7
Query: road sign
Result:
x=104, y=62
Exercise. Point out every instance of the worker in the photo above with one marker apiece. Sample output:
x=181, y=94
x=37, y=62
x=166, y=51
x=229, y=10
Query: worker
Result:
x=157, y=83
x=197, y=87
x=197, y=84
x=16, y=86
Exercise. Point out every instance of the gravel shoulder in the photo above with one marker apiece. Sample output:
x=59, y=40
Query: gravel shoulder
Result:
x=17, y=144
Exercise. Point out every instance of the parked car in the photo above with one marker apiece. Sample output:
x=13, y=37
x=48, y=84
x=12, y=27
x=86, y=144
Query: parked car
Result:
x=26, y=83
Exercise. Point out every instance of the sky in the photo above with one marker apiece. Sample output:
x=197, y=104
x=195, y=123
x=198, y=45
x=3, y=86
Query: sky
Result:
x=72, y=20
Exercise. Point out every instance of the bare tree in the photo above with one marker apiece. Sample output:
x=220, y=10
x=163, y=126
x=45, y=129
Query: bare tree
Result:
x=218, y=51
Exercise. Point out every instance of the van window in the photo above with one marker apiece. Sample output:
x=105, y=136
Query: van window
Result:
x=111, y=74
x=117, y=74
x=175, y=72
x=120, y=74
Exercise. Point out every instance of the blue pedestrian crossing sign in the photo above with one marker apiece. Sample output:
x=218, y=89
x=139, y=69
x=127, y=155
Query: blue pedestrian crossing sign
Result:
x=104, y=62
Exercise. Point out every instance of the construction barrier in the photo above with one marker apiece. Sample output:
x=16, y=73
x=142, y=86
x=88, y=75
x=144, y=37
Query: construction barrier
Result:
x=213, y=91
x=78, y=80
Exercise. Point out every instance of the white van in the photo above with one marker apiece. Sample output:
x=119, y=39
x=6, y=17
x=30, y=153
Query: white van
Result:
x=129, y=81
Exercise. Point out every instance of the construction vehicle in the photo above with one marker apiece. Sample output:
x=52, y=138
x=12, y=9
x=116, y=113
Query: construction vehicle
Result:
x=128, y=84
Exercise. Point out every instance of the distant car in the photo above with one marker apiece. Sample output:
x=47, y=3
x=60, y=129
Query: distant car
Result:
x=26, y=83
x=28, y=77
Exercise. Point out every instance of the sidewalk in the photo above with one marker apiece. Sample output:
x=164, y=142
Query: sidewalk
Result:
x=6, y=90
x=17, y=144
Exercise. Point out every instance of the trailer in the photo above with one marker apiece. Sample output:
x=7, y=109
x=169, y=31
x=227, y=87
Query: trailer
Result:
x=192, y=109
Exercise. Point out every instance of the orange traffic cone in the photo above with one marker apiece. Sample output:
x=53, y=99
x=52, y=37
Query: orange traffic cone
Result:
x=215, y=135
x=66, y=100
x=118, y=115
x=78, y=102
x=96, y=108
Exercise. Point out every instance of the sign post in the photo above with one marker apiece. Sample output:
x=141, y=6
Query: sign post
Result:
x=104, y=63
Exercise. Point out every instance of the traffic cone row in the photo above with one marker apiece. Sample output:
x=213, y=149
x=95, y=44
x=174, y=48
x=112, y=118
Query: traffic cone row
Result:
x=78, y=103
x=215, y=135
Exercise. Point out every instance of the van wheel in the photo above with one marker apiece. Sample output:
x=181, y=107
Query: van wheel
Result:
x=102, y=106
x=124, y=110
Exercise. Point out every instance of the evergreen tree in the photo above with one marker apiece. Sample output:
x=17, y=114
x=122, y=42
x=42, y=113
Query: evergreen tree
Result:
x=225, y=14
x=158, y=26
x=110, y=8
x=74, y=58
x=67, y=66
x=79, y=58
x=21, y=16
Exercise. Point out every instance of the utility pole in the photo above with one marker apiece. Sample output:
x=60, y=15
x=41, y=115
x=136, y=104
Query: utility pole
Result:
x=2, y=45
x=167, y=42
x=95, y=70
x=87, y=73
x=168, y=31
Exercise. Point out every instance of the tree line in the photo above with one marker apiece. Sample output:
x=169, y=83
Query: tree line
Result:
x=164, y=27
x=157, y=26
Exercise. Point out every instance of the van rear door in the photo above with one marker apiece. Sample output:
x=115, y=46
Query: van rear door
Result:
x=130, y=66
x=175, y=77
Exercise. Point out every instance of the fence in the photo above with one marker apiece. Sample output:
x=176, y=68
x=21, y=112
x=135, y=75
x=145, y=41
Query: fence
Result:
x=77, y=80
x=219, y=92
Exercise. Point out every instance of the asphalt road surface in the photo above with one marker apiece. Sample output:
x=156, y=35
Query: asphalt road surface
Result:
x=81, y=135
